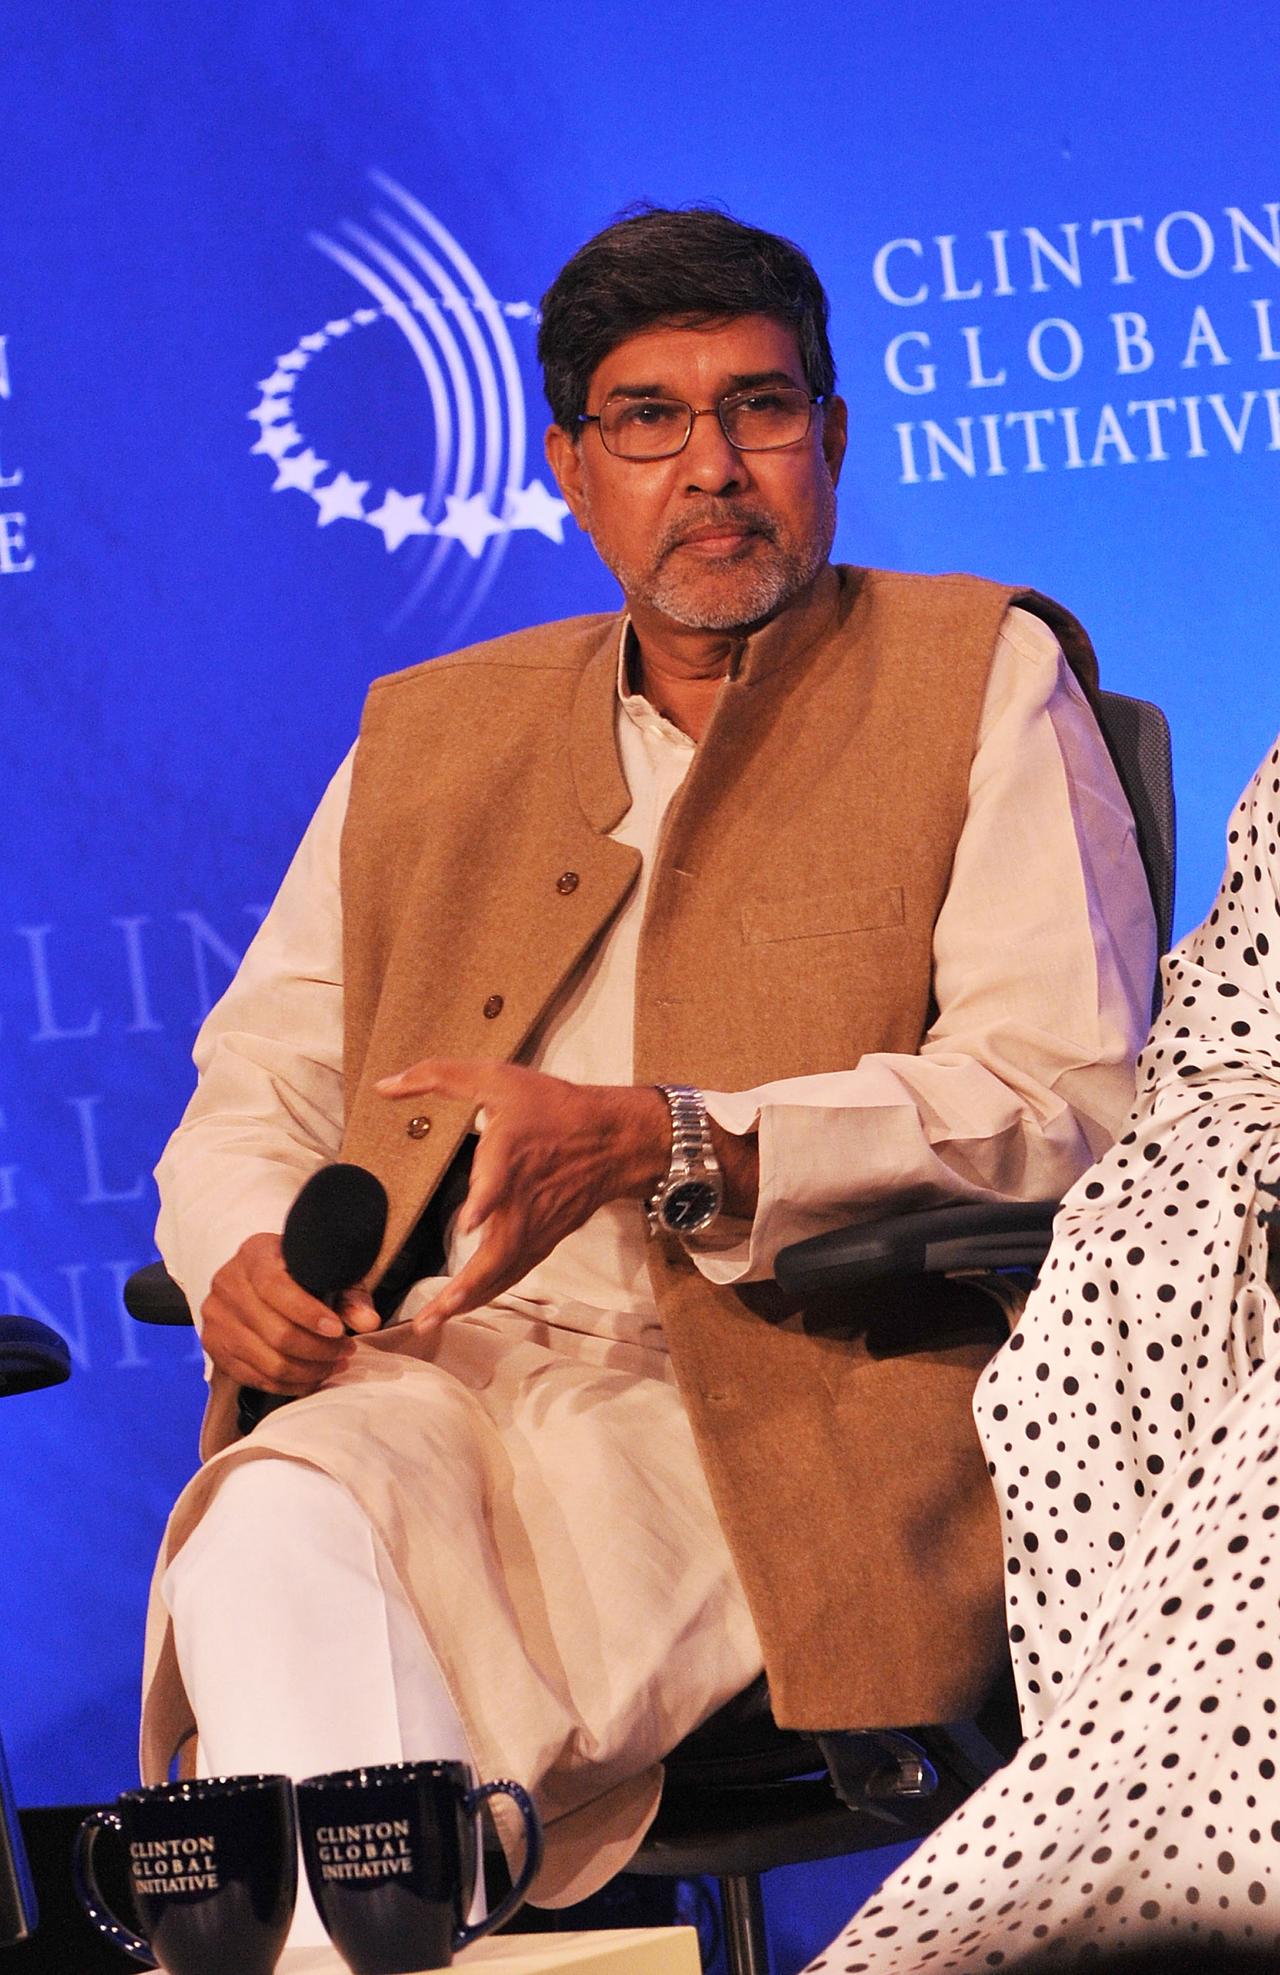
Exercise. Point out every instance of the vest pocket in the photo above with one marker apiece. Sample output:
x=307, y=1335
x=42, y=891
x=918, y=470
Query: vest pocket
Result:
x=819, y=913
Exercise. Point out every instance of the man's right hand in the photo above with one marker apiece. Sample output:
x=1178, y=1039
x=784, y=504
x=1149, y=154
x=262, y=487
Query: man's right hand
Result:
x=261, y=1329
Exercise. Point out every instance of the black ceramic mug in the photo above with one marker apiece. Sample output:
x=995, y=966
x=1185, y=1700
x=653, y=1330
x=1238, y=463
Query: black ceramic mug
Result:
x=213, y=1871
x=392, y=1854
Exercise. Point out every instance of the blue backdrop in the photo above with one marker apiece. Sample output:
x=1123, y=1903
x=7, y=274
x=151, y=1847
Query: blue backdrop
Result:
x=270, y=425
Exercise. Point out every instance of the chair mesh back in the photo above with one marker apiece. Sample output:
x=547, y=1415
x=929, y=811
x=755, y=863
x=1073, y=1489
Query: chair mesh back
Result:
x=1137, y=734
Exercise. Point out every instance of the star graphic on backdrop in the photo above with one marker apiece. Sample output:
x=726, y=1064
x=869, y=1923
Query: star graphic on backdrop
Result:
x=269, y=410
x=276, y=440
x=473, y=520
x=341, y=500
x=536, y=508
x=301, y=471
x=399, y=517
x=469, y=522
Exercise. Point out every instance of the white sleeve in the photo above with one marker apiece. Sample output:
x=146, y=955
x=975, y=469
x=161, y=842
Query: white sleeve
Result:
x=268, y=1107
x=1043, y=958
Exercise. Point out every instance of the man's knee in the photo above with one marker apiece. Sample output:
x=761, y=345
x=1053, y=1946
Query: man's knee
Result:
x=269, y=1519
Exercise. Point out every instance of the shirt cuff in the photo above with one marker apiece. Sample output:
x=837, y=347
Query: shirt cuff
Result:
x=825, y=1166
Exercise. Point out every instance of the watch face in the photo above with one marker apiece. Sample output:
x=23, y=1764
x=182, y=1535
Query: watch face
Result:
x=690, y=1206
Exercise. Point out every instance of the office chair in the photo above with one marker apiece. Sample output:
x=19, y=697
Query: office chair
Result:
x=741, y=1795
x=31, y=1355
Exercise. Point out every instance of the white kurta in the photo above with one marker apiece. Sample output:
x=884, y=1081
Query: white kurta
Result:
x=555, y=1535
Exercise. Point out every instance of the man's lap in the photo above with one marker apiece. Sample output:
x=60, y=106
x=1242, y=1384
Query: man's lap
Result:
x=549, y=1522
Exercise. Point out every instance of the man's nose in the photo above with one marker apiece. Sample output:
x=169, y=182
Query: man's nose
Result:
x=712, y=465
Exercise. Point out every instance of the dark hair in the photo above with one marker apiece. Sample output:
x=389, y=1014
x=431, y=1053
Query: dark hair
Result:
x=693, y=264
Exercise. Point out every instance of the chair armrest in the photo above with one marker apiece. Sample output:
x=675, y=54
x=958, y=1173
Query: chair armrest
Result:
x=153, y=1297
x=973, y=1235
x=31, y=1355
x=941, y=1240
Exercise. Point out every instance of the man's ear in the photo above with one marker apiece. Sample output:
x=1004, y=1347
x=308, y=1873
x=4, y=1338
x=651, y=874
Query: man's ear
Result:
x=564, y=457
x=835, y=435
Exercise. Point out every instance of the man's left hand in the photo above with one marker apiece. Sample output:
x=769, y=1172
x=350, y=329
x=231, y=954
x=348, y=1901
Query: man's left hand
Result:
x=549, y=1154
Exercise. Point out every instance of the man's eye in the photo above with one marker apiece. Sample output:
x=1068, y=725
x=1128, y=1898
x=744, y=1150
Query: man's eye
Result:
x=649, y=416
x=761, y=403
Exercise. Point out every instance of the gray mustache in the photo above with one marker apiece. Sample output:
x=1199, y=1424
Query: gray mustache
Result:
x=720, y=517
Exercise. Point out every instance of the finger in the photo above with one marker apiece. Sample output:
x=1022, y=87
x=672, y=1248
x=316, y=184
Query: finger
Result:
x=489, y=1186
x=444, y=1076
x=268, y=1372
x=298, y=1342
x=248, y=1325
x=286, y=1370
x=287, y=1300
x=263, y=1381
x=243, y=1371
x=271, y=1373
x=501, y=1259
x=358, y=1312
x=303, y=1354
x=273, y=1289
x=283, y=1388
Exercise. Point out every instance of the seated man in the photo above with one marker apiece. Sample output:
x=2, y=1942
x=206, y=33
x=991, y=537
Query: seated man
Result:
x=828, y=865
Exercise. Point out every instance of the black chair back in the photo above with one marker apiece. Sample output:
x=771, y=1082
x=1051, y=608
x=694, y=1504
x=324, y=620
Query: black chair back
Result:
x=1137, y=734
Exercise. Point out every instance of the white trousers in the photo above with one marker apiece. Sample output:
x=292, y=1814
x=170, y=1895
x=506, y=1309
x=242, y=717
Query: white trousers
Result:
x=297, y=1647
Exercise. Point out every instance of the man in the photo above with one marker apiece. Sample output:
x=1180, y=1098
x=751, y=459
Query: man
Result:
x=835, y=858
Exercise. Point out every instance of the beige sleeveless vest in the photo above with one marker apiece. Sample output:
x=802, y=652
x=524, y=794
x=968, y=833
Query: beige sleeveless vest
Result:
x=788, y=929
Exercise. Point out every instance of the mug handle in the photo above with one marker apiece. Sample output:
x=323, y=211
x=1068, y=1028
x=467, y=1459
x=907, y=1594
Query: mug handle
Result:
x=463, y=1936
x=88, y=1894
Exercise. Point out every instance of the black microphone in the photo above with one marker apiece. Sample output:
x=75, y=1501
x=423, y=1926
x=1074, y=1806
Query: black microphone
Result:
x=334, y=1230
x=330, y=1241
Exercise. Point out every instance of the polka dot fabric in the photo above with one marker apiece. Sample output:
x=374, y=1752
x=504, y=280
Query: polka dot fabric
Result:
x=1132, y=1425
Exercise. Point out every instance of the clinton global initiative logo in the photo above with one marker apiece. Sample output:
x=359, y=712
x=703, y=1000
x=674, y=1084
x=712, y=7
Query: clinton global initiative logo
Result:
x=406, y=414
x=1128, y=339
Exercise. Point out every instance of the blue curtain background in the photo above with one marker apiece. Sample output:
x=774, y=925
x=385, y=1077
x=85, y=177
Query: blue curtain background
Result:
x=267, y=324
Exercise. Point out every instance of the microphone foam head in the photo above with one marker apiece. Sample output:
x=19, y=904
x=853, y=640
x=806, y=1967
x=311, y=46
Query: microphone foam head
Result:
x=334, y=1230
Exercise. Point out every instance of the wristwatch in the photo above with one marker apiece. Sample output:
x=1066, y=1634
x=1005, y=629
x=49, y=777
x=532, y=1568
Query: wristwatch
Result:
x=692, y=1194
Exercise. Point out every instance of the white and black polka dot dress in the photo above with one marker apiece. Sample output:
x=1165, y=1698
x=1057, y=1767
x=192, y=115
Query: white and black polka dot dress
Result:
x=1133, y=1429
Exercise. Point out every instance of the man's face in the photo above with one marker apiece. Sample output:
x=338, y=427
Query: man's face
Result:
x=712, y=539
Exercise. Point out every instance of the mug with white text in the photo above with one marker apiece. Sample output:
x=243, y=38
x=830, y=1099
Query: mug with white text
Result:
x=213, y=1873
x=392, y=1854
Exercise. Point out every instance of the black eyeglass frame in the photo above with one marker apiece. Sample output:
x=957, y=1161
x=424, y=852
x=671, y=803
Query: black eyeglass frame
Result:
x=715, y=411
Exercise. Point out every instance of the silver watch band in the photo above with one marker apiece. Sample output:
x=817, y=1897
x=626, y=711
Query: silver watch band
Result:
x=693, y=1155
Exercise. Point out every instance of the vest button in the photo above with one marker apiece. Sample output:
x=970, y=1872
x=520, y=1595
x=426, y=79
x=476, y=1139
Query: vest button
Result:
x=567, y=882
x=493, y=1007
x=417, y=1127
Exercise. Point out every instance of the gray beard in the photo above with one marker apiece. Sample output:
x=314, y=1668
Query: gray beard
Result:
x=749, y=593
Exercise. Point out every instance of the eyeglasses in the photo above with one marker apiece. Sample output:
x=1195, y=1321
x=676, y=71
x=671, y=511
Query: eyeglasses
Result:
x=658, y=428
